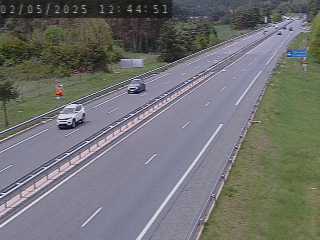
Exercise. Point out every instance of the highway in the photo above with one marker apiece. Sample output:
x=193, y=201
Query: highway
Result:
x=23, y=153
x=132, y=190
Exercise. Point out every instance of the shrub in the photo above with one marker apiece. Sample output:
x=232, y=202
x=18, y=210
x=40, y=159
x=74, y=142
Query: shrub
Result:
x=15, y=50
x=65, y=55
x=54, y=35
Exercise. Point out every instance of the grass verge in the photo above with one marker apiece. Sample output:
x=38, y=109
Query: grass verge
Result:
x=274, y=189
x=38, y=96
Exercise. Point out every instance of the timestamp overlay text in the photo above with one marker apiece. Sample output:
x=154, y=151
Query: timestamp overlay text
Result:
x=85, y=8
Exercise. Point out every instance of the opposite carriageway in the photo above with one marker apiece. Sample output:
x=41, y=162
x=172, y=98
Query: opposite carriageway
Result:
x=25, y=187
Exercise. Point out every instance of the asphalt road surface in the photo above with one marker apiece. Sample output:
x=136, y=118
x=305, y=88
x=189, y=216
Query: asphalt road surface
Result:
x=24, y=153
x=125, y=191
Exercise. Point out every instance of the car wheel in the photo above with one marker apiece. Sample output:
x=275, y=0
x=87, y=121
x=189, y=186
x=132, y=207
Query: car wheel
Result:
x=73, y=123
x=83, y=118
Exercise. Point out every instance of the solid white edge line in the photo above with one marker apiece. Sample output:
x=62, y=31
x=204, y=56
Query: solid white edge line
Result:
x=179, y=183
x=27, y=139
x=248, y=88
x=6, y=168
x=258, y=75
x=168, y=71
x=91, y=217
x=197, y=60
x=168, y=198
x=276, y=52
x=150, y=159
x=97, y=157
x=23, y=131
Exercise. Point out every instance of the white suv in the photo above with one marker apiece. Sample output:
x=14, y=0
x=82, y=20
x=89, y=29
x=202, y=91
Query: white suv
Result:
x=71, y=115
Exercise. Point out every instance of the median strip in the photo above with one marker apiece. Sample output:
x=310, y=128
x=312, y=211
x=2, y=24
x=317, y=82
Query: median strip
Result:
x=13, y=195
x=20, y=128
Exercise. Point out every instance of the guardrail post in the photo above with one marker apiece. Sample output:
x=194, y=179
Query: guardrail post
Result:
x=213, y=197
x=223, y=176
x=28, y=188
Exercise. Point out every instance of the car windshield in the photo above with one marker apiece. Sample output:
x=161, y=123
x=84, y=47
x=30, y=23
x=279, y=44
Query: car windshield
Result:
x=67, y=110
x=136, y=82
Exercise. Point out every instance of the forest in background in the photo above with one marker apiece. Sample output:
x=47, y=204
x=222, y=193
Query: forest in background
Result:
x=83, y=53
x=60, y=47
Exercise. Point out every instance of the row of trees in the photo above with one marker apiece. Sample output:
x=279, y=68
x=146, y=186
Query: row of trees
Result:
x=137, y=34
x=223, y=10
x=313, y=8
x=80, y=44
x=178, y=40
x=52, y=49
x=247, y=18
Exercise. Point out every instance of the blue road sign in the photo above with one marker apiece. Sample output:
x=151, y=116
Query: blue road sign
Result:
x=298, y=53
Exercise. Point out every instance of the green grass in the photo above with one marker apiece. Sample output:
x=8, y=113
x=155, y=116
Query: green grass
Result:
x=38, y=96
x=274, y=189
x=226, y=32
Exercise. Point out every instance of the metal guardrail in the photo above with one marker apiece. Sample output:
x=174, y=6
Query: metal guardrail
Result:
x=22, y=189
x=209, y=205
x=108, y=90
x=205, y=212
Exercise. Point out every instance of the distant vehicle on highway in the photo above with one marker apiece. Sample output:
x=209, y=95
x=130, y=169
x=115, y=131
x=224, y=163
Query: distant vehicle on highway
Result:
x=71, y=115
x=136, y=86
x=279, y=33
x=284, y=27
x=291, y=29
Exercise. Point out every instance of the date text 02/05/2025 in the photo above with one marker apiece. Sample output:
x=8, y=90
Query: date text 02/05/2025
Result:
x=85, y=8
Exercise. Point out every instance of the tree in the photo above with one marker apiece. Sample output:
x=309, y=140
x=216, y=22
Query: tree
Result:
x=248, y=18
x=171, y=43
x=313, y=8
x=54, y=35
x=7, y=93
x=276, y=17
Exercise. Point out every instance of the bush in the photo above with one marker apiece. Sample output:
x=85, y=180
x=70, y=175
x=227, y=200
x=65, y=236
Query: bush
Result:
x=69, y=56
x=276, y=17
x=54, y=35
x=96, y=58
x=172, y=43
x=202, y=42
x=117, y=53
x=14, y=50
x=178, y=40
x=31, y=70
x=82, y=45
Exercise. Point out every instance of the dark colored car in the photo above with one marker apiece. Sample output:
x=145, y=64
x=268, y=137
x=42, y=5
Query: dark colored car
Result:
x=291, y=29
x=284, y=27
x=136, y=86
x=279, y=33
